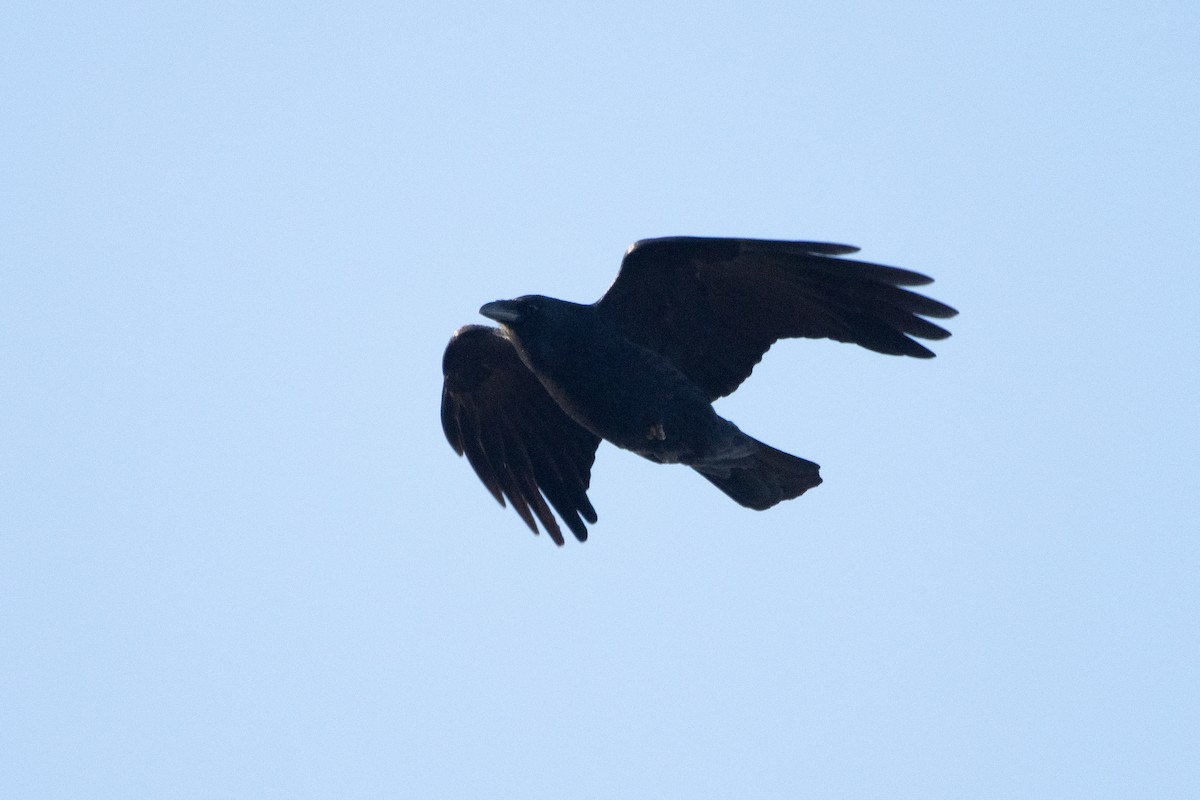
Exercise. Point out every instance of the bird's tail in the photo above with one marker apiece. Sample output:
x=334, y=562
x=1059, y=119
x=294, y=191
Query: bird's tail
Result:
x=762, y=477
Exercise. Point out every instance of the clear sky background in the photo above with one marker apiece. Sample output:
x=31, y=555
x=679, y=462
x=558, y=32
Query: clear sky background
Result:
x=239, y=560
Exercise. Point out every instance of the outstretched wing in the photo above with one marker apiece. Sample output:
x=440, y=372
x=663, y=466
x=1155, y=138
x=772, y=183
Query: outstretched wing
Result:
x=714, y=306
x=520, y=443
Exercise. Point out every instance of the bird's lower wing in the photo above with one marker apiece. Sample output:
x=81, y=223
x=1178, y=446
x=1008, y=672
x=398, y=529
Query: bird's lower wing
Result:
x=524, y=448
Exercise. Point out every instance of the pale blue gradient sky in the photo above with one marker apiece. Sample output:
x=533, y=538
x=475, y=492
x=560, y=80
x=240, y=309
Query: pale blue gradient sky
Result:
x=238, y=559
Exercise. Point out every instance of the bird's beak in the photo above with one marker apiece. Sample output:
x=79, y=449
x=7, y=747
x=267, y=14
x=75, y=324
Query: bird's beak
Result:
x=502, y=311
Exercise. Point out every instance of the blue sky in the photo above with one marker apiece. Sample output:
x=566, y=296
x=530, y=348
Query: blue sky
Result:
x=238, y=559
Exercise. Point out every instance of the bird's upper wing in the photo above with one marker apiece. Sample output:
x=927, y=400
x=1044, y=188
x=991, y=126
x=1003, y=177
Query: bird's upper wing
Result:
x=520, y=443
x=714, y=306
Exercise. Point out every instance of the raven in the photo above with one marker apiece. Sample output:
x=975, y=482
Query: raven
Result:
x=683, y=324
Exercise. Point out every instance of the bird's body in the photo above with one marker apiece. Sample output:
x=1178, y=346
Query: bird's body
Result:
x=684, y=324
x=624, y=393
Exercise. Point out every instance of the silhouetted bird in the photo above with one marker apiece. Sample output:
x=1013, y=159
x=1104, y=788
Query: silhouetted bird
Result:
x=683, y=324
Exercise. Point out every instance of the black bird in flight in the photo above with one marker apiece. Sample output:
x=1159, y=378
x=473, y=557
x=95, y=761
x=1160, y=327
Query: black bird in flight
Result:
x=683, y=324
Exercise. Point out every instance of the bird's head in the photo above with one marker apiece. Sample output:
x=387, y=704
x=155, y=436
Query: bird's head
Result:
x=533, y=314
x=540, y=326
